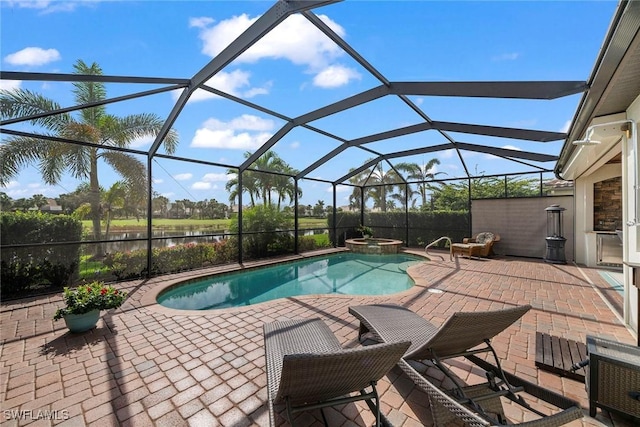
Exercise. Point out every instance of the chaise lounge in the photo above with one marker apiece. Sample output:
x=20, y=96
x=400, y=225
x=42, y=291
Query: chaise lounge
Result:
x=464, y=334
x=480, y=245
x=307, y=368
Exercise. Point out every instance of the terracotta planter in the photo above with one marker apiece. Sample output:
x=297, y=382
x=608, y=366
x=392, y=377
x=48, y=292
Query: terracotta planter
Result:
x=82, y=322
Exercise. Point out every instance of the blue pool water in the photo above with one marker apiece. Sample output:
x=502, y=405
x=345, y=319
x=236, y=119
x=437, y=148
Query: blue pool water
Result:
x=346, y=273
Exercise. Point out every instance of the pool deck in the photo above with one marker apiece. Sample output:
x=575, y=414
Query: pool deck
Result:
x=147, y=366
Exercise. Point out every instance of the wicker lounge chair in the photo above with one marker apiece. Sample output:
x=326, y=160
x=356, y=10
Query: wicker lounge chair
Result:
x=480, y=245
x=462, y=335
x=307, y=368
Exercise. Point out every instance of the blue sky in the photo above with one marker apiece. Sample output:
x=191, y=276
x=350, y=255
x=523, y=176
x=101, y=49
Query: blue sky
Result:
x=295, y=69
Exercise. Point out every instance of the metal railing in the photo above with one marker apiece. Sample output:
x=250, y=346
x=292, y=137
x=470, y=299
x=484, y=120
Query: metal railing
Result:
x=426, y=248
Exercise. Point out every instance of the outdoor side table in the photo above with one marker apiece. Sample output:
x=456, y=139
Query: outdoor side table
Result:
x=613, y=379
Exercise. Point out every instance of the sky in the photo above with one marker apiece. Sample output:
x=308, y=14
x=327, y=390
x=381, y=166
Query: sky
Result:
x=295, y=69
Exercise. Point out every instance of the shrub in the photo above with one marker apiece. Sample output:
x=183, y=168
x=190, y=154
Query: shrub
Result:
x=27, y=267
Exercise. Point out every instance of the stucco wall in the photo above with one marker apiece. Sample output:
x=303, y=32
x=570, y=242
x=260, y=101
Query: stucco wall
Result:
x=522, y=224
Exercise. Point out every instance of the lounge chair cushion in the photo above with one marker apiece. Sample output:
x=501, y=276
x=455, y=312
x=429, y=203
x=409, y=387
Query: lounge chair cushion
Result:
x=484, y=238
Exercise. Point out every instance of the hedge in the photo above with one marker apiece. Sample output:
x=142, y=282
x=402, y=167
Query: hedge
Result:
x=423, y=227
x=26, y=268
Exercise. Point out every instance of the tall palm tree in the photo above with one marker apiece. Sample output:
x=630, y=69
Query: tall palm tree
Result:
x=422, y=174
x=91, y=125
x=285, y=186
x=382, y=183
x=262, y=185
x=112, y=199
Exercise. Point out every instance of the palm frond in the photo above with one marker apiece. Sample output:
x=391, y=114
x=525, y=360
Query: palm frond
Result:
x=129, y=167
x=24, y=103
x=126, y=129
x=18, y=152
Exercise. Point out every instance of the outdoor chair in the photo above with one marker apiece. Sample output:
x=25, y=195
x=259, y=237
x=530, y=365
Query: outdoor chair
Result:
x=464, y=334
x=307, y=368
x=480, y=245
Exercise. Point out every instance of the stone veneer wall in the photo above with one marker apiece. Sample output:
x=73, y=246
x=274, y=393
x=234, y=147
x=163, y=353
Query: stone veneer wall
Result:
x=607, y=204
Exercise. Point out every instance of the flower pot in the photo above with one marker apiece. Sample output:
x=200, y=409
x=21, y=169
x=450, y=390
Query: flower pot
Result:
x=82, y=322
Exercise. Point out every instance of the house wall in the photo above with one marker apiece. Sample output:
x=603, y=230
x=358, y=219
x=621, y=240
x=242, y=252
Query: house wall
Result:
x=631, y=267
x=522, y=224
x=586, y=238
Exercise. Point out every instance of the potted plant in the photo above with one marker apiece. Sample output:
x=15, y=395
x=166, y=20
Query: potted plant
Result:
x=83, y=304
x=367, y=232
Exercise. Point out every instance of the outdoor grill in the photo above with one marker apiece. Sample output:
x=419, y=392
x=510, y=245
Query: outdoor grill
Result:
x=555, y=240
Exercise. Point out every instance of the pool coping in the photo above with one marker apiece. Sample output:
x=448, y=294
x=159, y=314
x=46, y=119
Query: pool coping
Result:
x=149, y=298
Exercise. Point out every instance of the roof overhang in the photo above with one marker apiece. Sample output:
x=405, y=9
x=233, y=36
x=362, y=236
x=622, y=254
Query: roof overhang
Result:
x=614, y=84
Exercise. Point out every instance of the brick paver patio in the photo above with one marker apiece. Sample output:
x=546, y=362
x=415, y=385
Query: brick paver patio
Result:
x=148, y=366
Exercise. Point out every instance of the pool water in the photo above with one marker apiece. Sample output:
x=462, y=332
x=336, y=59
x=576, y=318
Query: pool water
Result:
x=346, y=274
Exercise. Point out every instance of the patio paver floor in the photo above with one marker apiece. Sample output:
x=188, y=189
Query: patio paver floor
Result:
x=144, y=366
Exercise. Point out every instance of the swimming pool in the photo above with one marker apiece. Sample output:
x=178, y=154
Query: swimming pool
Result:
x=346, y=274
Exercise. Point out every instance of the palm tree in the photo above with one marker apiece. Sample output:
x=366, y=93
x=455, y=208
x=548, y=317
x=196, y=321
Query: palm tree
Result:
x=38, y=201
x=262, y=185
x=422, y=174
x=160, y=204
x=5, y=202
x=92, y=126
x=380, y=180
x=113, y=198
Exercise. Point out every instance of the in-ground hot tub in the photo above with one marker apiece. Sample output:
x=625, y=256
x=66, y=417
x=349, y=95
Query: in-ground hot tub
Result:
x=373, y=246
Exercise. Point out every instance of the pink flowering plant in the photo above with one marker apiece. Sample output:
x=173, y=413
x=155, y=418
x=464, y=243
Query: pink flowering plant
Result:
x=88, y=297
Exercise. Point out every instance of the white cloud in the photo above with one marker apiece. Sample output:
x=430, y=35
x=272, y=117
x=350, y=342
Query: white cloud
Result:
x=158, y=181
x=510, y=56
x=235, y=83
x=29, y=4
x=254, y=91
x=295, y=40
x=212, y=177
x=10, y=84
x=506, y=147
x=144, y=141
x=183, y=176
x=566, y=127
x=207, y=138
x=32, y=56
x=253, y=132
x=340, y=189
x=446, y=154
x=50, y=6
x=295, y=145
x=335, y=76
x=230, y=82
x=168, y=195
x=15, y=190
x=201, y=185
x=201, y=22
